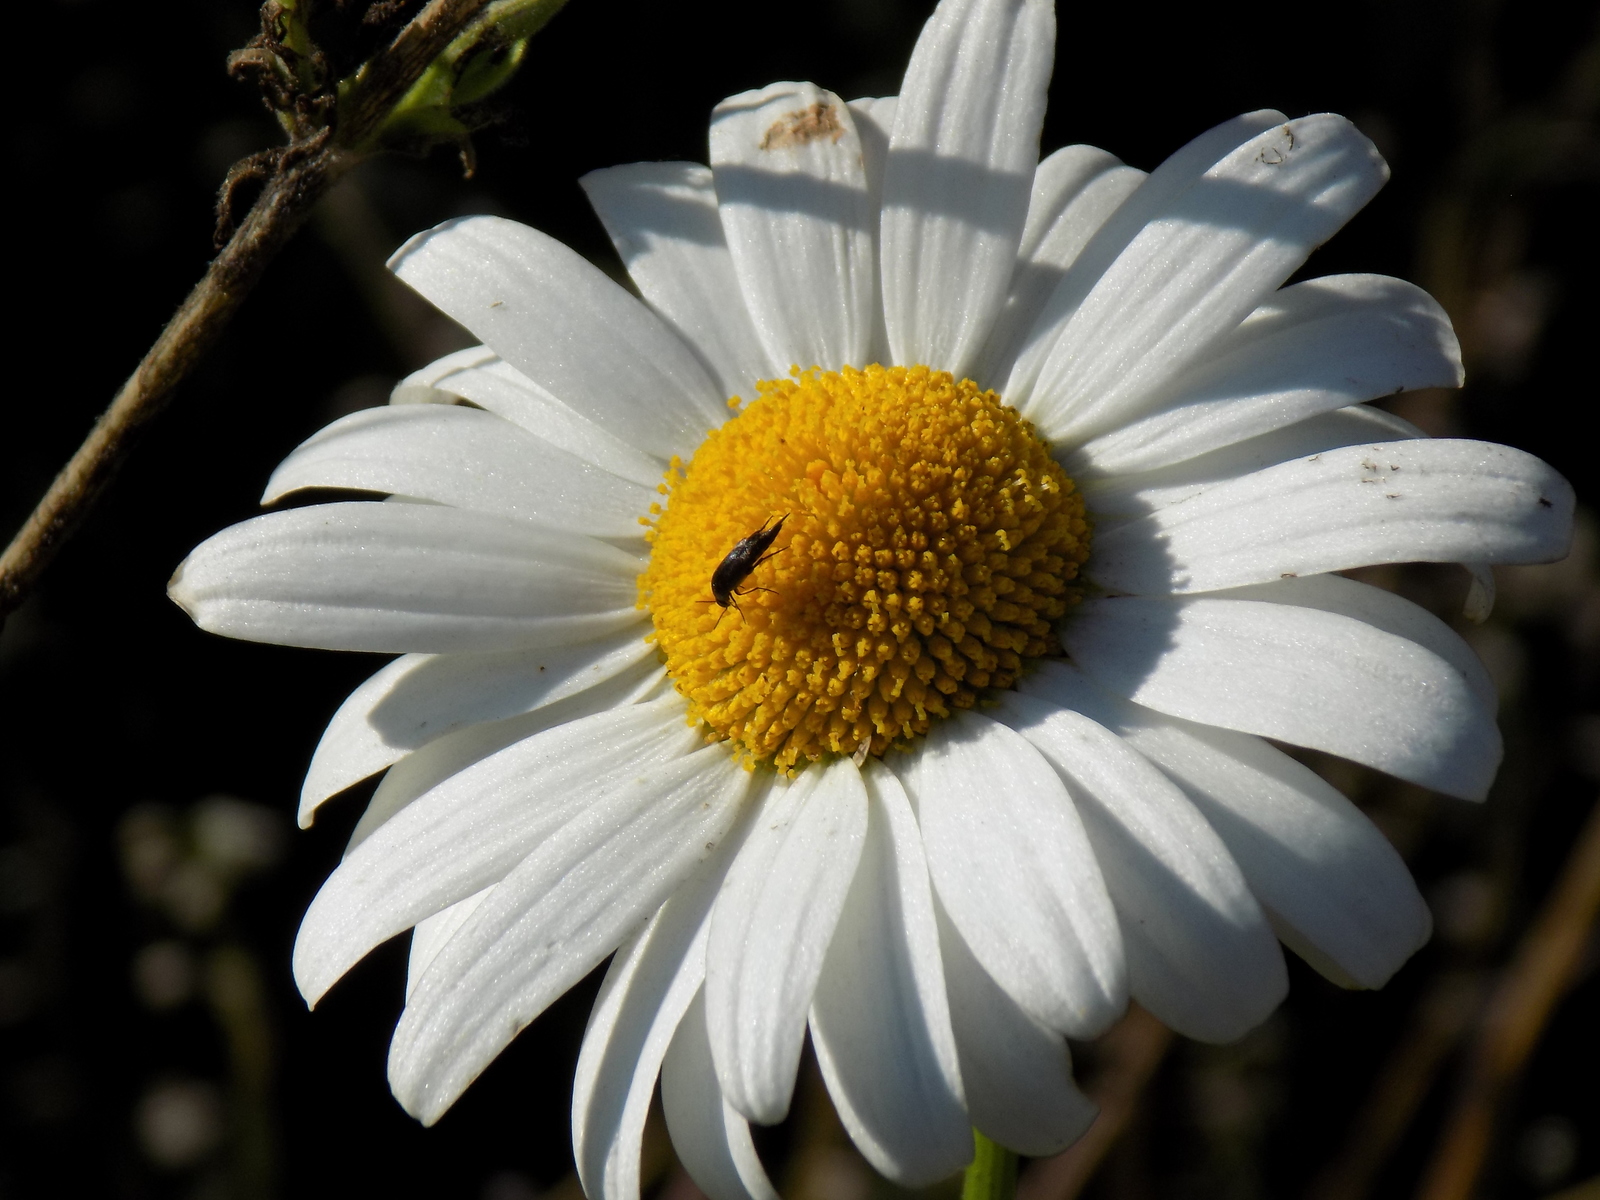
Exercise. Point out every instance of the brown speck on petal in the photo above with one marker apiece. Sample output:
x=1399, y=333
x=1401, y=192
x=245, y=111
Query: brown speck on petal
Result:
x=820, y=120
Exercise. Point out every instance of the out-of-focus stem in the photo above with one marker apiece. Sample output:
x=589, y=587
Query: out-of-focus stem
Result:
x=238, y=999
x=992, y=1173
x=1440, y=1022
x=1518, y=1008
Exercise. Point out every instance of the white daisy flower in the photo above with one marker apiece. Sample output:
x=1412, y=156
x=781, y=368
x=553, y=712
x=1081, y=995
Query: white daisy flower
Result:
x=975, y=751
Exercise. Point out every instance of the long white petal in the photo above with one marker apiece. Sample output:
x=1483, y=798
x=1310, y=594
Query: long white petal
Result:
x=480, y=375
x=1314, y=347
x=1158, y=194
x=1385, y=610
x=555, y=916
x=662, y=218
x=1201, y=955
x=421, y=697
x=1303, y=676
x=712, y=1140
x=422, y=385
x=874, y=117
x=874, y=123
x=1017, y=1074
x=1480, y=592
x=1335, y=888
x=405, y=577
x=1417, y=501
x=430, y=765
x=649, y=986
x=1075, y=190
x=798, y=215
x=473, y=828
x=1199, y=268
x=770, y=932
x=879, y=1020
x=468, y=459
x=563, y=324
x=430, y=934
x=1014, y=869
x=961, y=161
x=1126, y=498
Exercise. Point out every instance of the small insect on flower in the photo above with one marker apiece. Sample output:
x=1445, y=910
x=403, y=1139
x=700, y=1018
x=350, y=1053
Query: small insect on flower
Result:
x=747, y=554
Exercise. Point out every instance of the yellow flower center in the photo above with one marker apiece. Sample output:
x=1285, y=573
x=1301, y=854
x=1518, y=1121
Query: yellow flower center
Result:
x=928, y=542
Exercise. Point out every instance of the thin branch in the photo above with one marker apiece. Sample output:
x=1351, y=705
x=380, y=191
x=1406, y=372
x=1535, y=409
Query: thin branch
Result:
x=304, y=171
x=1539, y=975
x=280, y=209
x=1133, y=1050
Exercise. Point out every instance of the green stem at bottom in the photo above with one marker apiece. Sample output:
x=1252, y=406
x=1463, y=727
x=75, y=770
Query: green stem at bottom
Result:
x=992, y=1173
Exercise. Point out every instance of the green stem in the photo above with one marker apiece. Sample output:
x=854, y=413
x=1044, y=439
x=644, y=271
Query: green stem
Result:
x=992, y=1173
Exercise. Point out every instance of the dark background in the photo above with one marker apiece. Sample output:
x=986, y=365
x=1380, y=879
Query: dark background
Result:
x=151, y=1042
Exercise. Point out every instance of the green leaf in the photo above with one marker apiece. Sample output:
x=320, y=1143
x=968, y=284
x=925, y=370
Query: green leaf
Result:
x=481, y=60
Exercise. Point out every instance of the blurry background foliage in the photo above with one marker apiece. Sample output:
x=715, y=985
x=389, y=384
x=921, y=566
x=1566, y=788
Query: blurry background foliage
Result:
x=151, y=1043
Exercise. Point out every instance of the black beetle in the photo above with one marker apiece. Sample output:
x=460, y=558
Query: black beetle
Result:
x=748, y=554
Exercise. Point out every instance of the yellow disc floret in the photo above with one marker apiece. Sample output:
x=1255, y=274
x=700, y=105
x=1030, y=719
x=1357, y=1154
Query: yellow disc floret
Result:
x=929, y=544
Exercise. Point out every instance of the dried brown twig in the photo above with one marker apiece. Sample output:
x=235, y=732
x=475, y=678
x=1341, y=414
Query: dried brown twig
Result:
x=1521, y=1004
x=320, y=150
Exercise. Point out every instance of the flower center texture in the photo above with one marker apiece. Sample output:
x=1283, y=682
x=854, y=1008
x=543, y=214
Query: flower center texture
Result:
x=927, y=542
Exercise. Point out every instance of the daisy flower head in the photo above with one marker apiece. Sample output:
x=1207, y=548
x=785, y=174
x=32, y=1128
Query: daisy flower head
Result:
x=876, y=628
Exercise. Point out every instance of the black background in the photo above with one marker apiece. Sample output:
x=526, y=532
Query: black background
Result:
x=122, y=123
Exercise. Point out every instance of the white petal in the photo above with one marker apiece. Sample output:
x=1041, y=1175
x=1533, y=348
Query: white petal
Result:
x=430, y=765
x=1419, y=501
x=553, y=918
x=1198, y=268
x=1336, y=890
x=650, y=984
x=1017, y=1074
x=1075, y=190
x=1385, y=610
x=431, y=933
x=1013, y=868
x=1480, y=593
x=1310, y=678
x=473, y=828
x=712, y=1140
x=1312, y=348
x=770, y=932
x=874, y=122
x=562, y=323
x=423, y=386
x=480, y=375
x=961, y=160
x=1159, y=193
x=879, y=1020
x=420, y=697
x=405, y=577
x=792, y=191
x=1116, y=501
x=662, y=218
x=1201, y=956
x=467, y=459
x=874, y=117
